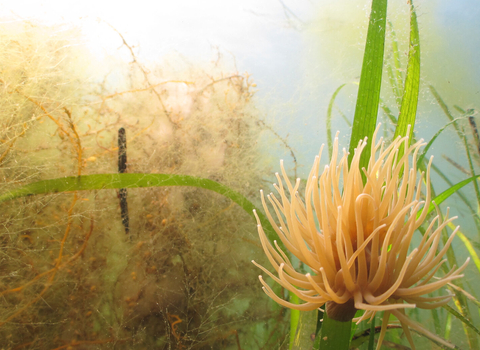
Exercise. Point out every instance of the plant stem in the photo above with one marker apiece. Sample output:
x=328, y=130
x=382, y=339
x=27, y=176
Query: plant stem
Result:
x=335, y=335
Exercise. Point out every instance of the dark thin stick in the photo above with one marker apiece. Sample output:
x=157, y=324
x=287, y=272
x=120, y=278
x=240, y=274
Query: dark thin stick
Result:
x=122, y=168
x=456, y=165
x=475, y=132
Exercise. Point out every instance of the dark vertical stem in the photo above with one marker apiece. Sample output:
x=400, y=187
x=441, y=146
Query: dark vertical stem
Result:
x=473, y=125
x=122, y=168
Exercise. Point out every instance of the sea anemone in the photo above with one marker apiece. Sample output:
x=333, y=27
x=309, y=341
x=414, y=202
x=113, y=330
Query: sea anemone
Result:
x=354, y=234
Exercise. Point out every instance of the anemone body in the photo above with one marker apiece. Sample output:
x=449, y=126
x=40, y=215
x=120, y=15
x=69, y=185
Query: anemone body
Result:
x=355, y=237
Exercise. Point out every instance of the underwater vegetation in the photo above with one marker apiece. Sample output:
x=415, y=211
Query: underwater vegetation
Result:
x=129, y=201
x=71, y=276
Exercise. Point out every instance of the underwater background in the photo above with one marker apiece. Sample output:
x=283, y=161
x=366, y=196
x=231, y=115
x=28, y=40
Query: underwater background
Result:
x=218, y=90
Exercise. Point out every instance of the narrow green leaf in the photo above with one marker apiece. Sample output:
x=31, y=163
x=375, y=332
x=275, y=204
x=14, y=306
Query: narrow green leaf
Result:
x=294, y=318
x=448, y=326
x=447, y=193
x=116, y=181
x=436, y=321
x=459, y=193
x=329, y=120
x=316, y=343
x=395, y=71
x=335, y=335
x=442, y=105
x=388, y=112
x=304, y=330
x=460, y=134
x=366, y=110
x=470, y=249
x=371, y=339
x=429, y=144
x=465, y=321
x=363, y=336
x=393, y=83
x=408, y=110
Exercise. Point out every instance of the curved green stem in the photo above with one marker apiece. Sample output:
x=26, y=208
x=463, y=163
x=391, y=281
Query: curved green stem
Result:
x=117, y=181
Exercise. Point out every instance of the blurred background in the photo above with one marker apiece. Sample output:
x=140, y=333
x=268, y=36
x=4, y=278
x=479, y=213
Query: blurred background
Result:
x=298, y=52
